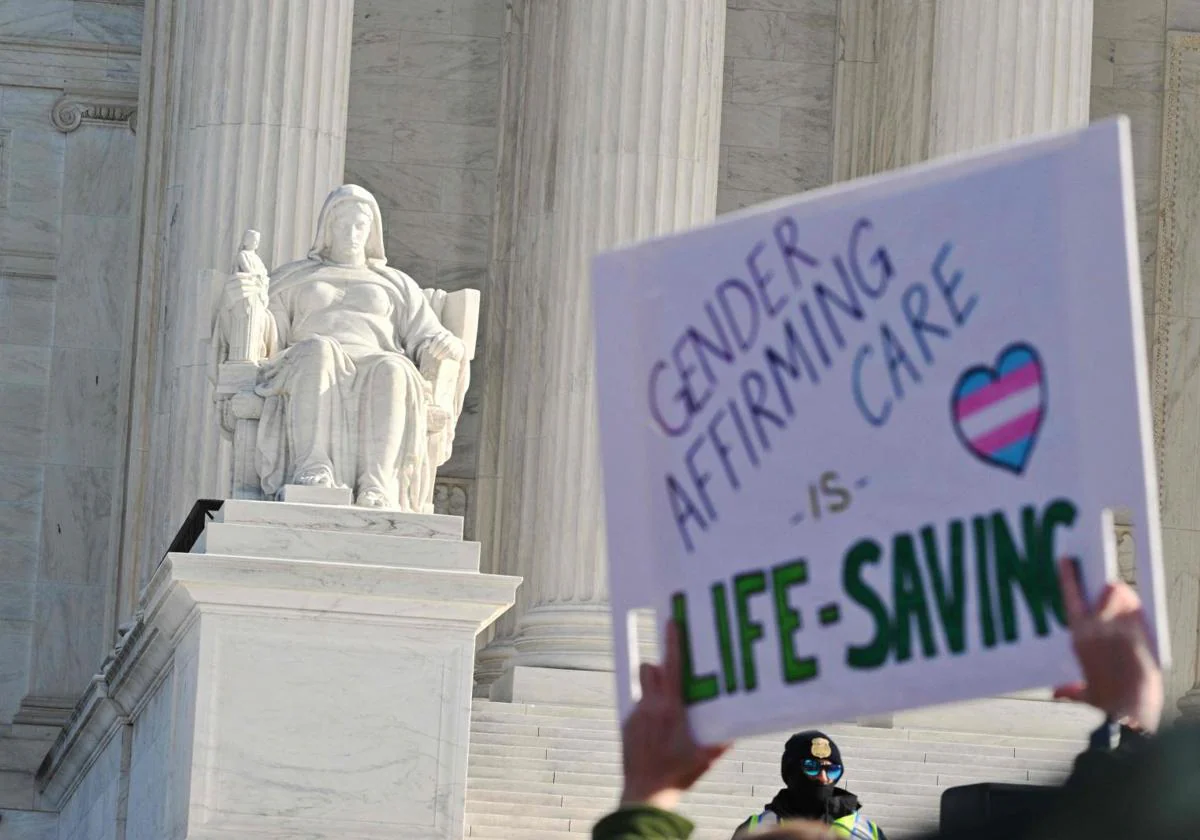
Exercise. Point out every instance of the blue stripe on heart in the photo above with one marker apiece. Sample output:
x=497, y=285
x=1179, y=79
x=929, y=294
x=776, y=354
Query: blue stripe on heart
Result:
x=1009, y=439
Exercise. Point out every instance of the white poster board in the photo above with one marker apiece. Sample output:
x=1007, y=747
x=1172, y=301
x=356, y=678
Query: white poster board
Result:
x=845, y=436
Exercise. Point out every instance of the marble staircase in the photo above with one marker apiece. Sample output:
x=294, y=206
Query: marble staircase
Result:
x=548, y=772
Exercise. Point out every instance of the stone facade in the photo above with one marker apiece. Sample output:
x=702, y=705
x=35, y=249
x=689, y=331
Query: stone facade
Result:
x=94, y=341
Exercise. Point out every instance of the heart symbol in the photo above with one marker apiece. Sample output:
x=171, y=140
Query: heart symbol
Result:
x=998, y=412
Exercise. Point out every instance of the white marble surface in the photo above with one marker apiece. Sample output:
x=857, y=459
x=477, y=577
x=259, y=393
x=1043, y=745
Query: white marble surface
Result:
x=343, y=518
x=1176, y=348
x=68, y=637
x=422, y=135
x=339, y=547
x=576, y=190
x=75, y=525
x=278, y=698
x=150, y=765
x=91, y=811
x=304, y=494
x=241, y=126
x=29, y=825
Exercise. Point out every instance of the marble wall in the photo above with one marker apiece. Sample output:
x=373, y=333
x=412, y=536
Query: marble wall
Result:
x=777, y=110
x=64, y=206
x=424, y=95
x=93, y=809
x=1129, y=43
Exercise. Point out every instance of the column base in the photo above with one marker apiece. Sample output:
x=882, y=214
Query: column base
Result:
x=490, y=665
x=576, y=637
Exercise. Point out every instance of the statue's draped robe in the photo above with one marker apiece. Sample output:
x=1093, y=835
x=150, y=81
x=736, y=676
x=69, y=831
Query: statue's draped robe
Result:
x=333, y=402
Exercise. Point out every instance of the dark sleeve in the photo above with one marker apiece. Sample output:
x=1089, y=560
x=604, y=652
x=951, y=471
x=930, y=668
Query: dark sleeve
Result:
x=1149, y=792
x=741, y=829
x=642, y=822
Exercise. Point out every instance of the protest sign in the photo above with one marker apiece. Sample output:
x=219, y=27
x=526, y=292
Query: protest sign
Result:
x=845, y=436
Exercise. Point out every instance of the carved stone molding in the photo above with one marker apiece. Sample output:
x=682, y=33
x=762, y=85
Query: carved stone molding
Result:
x=452, y=496
x=73, y=110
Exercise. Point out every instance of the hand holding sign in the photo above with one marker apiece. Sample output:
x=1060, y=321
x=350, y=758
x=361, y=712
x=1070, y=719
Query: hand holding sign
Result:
x=1121, y=677
x=661, y=757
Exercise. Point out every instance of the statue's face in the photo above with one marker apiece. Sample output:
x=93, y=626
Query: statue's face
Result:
x=351, y=227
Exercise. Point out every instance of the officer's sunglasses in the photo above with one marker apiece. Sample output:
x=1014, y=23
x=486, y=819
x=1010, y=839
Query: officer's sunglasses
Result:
x=813, y=768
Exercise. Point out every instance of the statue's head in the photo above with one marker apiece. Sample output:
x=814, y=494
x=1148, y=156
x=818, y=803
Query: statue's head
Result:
x=251, y=240
x=349, y=229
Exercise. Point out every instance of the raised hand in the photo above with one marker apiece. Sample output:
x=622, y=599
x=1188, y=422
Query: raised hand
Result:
x=661, y=758
x=1121, y=676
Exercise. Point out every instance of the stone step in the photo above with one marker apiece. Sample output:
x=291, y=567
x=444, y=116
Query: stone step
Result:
x=559, y=759
x=501, y=732
x=607, y=797
x=568, y=773
x=548, y=772
x=334, y=547
x=487, y=711
x=341, y=518
x=593, y=809
x=853, y=749
x=501, y=789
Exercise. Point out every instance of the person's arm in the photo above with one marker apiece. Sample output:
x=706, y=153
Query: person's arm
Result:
x=660, y=758
x=642, y=822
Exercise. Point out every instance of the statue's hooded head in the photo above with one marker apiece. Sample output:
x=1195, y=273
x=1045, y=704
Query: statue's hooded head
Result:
x=340, y=204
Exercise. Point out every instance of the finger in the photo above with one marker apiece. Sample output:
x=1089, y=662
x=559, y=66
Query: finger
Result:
x=648, y=677
x=713, y=752
x=1072, y=591
x=1111, y=603
x=1076, y=692
x=672, y=668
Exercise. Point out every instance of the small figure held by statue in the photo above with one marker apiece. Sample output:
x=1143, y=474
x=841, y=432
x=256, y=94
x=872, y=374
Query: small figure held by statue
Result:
x=358, y=382
x=245, y=330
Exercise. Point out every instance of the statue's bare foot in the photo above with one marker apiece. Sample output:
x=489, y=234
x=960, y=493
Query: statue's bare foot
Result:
x=319, y=476
x=372, y=499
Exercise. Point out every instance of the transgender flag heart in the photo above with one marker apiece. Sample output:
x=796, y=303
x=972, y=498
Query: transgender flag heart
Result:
x=997, y=412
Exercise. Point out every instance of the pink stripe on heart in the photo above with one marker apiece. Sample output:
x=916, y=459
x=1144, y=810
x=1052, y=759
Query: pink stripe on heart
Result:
x=1010, y=433
x=1011, y=382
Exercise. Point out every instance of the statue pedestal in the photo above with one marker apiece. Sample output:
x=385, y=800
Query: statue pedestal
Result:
x=303, y=671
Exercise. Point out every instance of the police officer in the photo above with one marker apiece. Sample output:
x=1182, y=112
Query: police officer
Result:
x=811, y=767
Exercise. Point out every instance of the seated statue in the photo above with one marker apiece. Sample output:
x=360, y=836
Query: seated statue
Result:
x=344, y=399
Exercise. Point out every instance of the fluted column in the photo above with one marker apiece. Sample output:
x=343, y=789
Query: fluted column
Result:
x=1008, y=68
x=926, y=78
x=246, y=104
x=617, y=133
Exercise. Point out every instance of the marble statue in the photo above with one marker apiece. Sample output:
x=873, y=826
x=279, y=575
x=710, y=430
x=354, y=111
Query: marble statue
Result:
x=245, y=330
x=347, y=380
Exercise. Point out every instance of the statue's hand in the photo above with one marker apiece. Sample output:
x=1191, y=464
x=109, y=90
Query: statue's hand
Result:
x=241, y=290
x=447, y=347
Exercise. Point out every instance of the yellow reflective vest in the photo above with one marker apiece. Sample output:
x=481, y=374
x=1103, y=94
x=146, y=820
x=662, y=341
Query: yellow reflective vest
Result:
x=852, y=826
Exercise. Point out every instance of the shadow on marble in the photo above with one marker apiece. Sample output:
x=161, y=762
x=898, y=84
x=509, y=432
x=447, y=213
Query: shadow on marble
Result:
x=76, y=508
x=94, y=283
x=69, y=639
x=26, y=311
x=82, y=425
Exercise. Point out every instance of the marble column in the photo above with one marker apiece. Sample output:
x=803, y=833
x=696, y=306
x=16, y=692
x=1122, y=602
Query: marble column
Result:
x=244, y=107
x=618, y=124
x=1176, y=365
x=927, y=78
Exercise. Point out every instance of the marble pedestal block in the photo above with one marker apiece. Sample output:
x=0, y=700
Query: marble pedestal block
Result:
x=302, y=671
